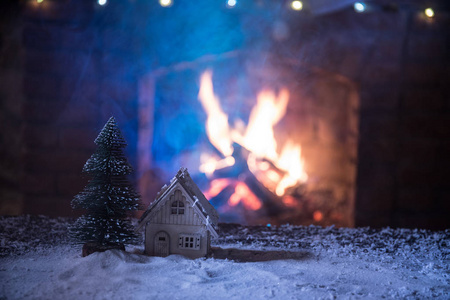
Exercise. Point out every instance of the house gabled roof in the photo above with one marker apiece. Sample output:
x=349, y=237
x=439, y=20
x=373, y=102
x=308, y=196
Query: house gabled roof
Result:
x=209, y=213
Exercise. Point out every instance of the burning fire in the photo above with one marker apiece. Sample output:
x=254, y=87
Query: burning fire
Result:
x=241, y=193
x=217, y=122
x=277, y=171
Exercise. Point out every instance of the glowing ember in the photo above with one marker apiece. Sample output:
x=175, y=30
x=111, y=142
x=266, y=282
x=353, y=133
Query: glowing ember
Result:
x=276, y=171
x=289, y=201
x=241, y=193
x=216, y=187
x=317, y=216
x=244, y=194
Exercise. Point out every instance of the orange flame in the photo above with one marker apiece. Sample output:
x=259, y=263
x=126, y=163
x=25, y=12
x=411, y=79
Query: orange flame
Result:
x=217, y=122
x=277, y=171
x=259, y=137
x=210, y=163
x=290, y=161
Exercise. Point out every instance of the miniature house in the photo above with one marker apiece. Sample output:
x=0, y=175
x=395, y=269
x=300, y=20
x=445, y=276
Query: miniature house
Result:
x=180, y=220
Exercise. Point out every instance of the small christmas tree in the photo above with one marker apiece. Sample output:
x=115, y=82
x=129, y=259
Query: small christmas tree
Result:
x=108, y=197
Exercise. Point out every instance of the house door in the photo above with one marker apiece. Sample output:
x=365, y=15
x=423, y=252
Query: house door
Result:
x=162, y=244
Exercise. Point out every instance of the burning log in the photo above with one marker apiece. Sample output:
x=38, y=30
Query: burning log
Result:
x=240, y=155
x=222, y=197
x=271, y=202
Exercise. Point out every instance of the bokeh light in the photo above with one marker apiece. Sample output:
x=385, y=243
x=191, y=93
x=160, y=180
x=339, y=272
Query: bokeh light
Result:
x=231, y=3
x=297, y=5
x=165, y=3
x=429, y=12
x=359, y=7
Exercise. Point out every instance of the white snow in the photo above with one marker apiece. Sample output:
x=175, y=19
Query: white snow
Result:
x=327, y=268
x=196, y=200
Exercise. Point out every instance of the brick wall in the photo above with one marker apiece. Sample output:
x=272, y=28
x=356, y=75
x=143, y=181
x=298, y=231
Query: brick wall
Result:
x=11, y=98
x=78, y=69
x=405, y=125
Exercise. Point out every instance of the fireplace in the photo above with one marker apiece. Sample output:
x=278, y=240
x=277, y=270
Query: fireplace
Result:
x=269, y=143
x=365, y=92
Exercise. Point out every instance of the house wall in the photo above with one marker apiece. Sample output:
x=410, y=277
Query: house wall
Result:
x=173, y=231
x=163, y=214
x=161, y=219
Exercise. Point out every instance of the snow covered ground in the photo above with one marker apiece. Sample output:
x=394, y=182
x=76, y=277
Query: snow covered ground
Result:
x=288, y=262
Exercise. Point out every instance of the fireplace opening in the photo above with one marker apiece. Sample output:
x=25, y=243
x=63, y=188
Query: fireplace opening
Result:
x=268, y=143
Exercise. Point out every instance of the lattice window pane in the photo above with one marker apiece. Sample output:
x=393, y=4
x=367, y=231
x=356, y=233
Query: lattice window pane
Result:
x=189, y=241
x=177, y=208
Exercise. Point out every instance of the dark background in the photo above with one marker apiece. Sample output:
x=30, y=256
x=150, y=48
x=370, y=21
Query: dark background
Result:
x=66, y=66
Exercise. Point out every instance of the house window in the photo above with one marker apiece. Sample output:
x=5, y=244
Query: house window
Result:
x=177, y=208
x=189, y=241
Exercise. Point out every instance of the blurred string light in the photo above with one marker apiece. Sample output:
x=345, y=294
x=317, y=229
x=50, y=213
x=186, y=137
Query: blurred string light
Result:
x=429, y=12
x=231, y=3
x=297, y=5
x=165, y=3
x=359, y=7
